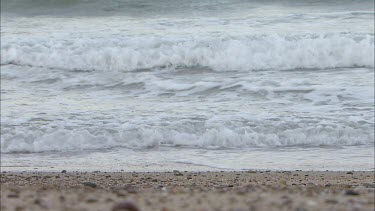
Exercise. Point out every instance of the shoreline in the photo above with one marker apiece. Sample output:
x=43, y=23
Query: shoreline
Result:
x=187, y=190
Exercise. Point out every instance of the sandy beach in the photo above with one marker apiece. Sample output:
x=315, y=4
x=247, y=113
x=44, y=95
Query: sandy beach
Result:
x=201, y=105
x=179, y=190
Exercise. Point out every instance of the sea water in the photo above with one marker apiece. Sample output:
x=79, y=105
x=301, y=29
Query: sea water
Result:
x=149, y=85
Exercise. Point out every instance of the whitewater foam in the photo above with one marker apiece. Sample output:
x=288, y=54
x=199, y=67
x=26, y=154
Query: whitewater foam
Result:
x=215, y=137
x=220, y=54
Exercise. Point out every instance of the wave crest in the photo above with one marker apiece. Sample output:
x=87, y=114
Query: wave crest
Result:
x=216, y=137
x=219, y=54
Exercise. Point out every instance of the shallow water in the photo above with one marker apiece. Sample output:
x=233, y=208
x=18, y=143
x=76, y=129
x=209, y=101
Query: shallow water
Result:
x=199, y=85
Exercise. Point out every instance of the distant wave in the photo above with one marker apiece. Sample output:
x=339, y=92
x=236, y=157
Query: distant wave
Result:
x=147, y=7
x=219, y=54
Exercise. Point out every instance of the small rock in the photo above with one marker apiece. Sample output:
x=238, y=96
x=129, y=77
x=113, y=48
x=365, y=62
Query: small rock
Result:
x=63, y=171
x=91, y=199
x=178, y=174
x=125, y=206
x=121, y=193
x=19, y=208
x=89, y=184
x=349, y=172
x=131, y=189
x=62, y=198
x=13, y=195
x=331, y=201
x=159, y=186
x=241, y=191
x=351, y=193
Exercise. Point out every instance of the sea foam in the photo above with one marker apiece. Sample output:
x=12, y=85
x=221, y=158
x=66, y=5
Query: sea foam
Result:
x=244, y=53
x=266, y=135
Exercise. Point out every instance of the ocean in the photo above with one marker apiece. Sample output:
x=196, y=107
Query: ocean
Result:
x=159, y=85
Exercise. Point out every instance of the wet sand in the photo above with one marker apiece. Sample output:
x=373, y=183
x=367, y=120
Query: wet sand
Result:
x=237, y=191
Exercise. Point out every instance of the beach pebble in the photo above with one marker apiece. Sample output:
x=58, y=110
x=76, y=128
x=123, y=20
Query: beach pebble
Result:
x=63, y=171
x=91, y=199
x=125, y=206
x=89, y=184
x=131, y=189
x=351, y=193
x=13, y=195
x=37, y=201
x=121, y=193
x=331, y=201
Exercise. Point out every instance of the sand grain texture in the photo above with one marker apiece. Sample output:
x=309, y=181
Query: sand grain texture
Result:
x=205, y=191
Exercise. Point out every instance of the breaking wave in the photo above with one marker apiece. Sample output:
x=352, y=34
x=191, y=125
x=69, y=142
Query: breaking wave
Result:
x=215, y=137
x=219, y=54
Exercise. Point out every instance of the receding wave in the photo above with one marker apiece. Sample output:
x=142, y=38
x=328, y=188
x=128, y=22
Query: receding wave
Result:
x=219, y=54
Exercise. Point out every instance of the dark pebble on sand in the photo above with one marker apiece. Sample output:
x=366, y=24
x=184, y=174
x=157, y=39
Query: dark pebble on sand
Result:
x=349, y=172
x=125, y=206
x=63, y=171
x=91, y=199
x=89, y=184
x=331, y=201
x=351, y=193
x=13, y=195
